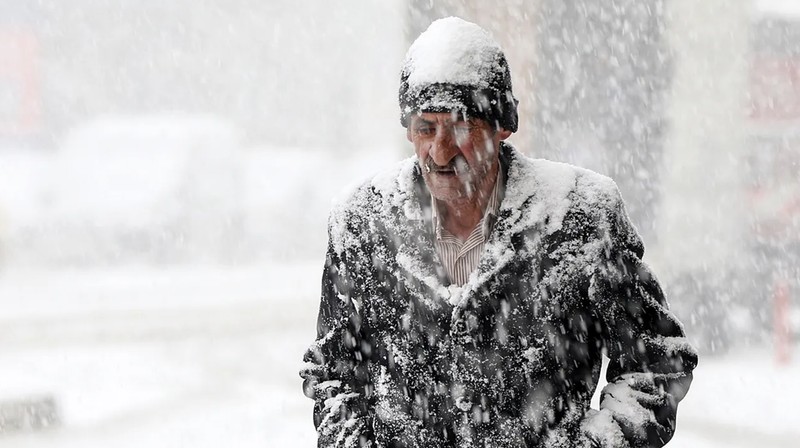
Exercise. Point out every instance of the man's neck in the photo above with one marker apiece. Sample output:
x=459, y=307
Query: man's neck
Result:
x=459, y=217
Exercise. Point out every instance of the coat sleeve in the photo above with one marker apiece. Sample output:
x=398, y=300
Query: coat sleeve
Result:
x=335, y=374
x=651, y=361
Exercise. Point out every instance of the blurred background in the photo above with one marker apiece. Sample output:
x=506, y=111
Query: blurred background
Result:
x=166, y=170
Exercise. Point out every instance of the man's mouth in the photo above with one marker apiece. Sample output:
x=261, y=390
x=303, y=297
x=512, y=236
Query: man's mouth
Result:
x=444, y=171
x=448, y=170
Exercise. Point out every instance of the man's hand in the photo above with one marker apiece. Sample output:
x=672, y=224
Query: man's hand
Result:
x=602, y=431
x=635, y=411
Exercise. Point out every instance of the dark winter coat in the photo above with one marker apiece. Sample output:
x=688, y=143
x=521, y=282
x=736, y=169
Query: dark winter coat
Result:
x=512, y=358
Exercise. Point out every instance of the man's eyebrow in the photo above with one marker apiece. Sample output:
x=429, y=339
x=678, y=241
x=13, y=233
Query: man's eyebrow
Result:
x=422, y=122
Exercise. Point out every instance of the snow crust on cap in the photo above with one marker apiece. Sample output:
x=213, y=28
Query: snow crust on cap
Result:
x=440, y=99
x=452, y=51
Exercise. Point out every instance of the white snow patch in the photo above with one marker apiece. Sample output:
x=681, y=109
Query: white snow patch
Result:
x=452, y=51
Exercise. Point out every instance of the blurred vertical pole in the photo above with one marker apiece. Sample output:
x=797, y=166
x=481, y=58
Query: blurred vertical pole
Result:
x=420, y=14
x=780, y=323
x=602, y=75
x=20, y=89
x=701, y=220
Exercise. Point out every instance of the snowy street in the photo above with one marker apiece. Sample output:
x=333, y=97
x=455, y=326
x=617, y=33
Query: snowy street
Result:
x=171, y=363
x=200, y=357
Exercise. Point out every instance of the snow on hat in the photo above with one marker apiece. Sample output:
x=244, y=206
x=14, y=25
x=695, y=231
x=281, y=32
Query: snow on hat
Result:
x=456, y=65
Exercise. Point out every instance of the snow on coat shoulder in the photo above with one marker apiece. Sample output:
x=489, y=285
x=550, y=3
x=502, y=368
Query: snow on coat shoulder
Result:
x=537, y=191
x=540, y=190
x=359, y=204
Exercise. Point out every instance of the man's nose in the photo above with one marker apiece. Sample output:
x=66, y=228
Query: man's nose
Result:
x=444, y=147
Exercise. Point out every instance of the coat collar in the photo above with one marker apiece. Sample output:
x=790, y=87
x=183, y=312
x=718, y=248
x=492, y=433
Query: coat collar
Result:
x=530, y=201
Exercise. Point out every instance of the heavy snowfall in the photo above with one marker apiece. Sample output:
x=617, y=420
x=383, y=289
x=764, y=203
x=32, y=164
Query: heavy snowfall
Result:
x=167, y=172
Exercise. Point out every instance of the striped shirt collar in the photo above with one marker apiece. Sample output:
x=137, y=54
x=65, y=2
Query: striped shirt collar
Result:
x=489, y=216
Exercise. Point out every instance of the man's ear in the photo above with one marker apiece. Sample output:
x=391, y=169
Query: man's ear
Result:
x=408, y=133
x=504, y=134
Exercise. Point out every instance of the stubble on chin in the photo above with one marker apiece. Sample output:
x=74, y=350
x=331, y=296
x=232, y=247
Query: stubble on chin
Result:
x=455, y=191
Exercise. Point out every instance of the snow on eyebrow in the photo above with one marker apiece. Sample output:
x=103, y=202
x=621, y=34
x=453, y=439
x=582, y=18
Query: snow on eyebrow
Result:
x=440, y=99
x=452, y=51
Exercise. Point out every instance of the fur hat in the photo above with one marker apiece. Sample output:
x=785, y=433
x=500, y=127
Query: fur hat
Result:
x=456, y=65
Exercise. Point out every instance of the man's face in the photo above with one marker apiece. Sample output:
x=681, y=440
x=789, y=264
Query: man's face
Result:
x=455, y=155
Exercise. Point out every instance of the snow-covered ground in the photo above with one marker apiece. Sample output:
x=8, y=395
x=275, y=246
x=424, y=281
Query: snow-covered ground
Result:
x=208, y=357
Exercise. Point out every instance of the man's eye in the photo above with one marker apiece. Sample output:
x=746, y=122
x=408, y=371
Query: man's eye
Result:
x=462, y=131
x=426, y=130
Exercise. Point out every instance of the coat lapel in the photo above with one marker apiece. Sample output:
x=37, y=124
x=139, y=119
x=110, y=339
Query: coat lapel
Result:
x=407, y=216
x=536, y=197
x=499, y=250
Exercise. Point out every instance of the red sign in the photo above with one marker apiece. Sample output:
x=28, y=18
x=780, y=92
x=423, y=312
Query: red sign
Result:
x=20, y=110
x=775, y=89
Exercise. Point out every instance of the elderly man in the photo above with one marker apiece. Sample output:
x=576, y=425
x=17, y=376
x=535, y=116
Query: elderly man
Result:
x=470, y=293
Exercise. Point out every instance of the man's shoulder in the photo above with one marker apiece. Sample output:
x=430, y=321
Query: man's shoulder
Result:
x=560, y=181
x=375, y=196
x=359, y=207
x=362, y=196
x=555, y=194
